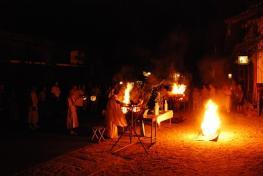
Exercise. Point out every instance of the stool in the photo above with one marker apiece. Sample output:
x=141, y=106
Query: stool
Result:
x=98, y=132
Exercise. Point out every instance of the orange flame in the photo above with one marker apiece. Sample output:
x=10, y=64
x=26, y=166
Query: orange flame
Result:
x=127, y=91
x=126, y=99
x=211, y=123
x=178, y=89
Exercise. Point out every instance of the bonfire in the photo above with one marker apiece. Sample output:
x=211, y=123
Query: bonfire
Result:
x=211, y=122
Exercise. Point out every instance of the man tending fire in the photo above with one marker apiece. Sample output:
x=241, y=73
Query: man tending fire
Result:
x=114, y=114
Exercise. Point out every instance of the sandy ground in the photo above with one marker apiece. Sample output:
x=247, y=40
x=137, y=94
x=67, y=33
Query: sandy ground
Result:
x=239, y=151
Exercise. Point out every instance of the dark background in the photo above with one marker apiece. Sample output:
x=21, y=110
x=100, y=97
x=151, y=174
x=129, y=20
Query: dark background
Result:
x=121, y=32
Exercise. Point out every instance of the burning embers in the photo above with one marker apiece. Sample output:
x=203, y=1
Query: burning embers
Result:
x=211, y=122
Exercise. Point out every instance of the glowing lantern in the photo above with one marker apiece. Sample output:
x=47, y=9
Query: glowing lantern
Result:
x=93, y=98
x=176, y=76
x=211, y=123
x=146, y=74
x=229, y=75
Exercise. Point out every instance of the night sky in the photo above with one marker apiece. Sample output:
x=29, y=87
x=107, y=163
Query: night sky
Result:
x=86, y=21
x=120, y=28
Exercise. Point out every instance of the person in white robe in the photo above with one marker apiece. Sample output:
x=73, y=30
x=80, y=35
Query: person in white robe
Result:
x=114, y=116
x=72, y=115
x=33, y=116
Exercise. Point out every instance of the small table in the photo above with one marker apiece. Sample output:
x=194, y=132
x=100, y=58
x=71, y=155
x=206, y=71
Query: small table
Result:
x=157, y=119
x=163, y=115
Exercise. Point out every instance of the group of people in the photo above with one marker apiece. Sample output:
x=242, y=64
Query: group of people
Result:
x=229, y=97
x=144, y=96
x=47, y=102
x=37, y=104
x=46, y=107
x=75, y=99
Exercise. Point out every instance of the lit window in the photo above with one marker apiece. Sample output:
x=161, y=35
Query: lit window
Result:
x=243, y=60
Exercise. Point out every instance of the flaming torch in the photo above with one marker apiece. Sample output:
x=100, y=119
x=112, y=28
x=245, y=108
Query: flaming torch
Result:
x=126, y=99
x=178, y=89
x=211, y=123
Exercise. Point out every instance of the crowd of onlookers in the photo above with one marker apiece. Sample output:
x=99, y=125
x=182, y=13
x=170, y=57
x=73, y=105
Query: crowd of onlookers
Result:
x=230, y=98
x=49, y=106
x=59, y=106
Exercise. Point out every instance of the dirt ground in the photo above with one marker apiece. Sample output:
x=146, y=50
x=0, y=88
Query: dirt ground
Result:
x=238, y=151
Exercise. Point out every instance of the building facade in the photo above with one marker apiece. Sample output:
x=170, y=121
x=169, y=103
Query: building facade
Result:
x=244, y=42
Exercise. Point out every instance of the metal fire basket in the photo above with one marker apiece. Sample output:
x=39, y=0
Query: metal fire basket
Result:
x=130, y=130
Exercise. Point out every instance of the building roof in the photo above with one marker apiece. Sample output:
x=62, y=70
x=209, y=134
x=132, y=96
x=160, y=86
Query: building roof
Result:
x=253, y=11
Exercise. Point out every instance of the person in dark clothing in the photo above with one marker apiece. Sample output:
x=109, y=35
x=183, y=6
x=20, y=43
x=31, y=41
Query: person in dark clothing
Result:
x=153, y=98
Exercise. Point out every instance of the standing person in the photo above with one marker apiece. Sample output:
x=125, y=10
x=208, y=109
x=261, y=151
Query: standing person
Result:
x=56, y=104
x=3, y=100
x=95, y=92
x=240, y=98
x=33, y=110
x=43, y=106
x=234, y=97
x=43, y=94
x=196, y=99
x=72, y=115
x=13, y=108
x=55, y=91
x=227, y=93
x=114, y=116
x=154, y=98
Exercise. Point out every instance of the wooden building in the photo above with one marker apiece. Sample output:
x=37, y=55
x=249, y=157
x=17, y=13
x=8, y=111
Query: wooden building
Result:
x=244, y=42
